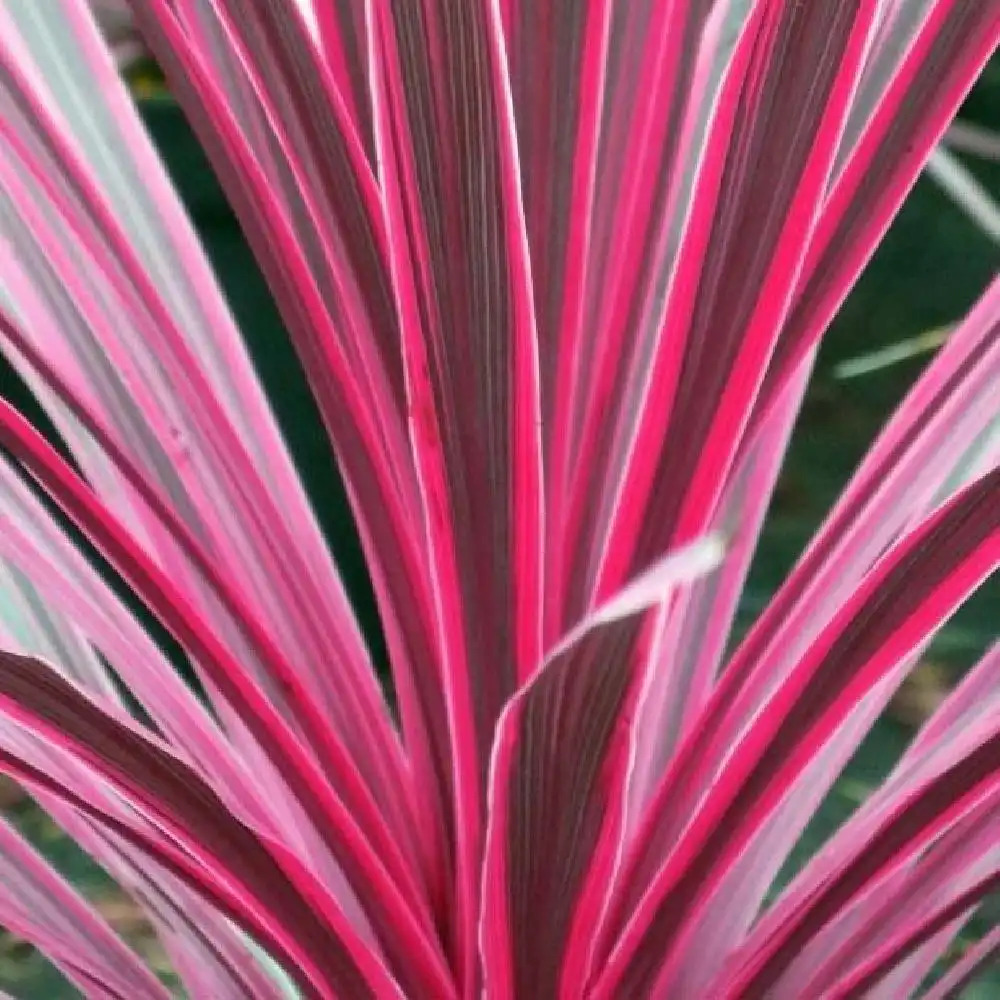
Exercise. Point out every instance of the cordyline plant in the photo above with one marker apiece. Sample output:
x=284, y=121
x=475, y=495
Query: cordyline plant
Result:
x=556, y=271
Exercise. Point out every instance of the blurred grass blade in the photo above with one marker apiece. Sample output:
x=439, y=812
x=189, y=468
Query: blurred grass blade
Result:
x=888, y=356
x=961, y=185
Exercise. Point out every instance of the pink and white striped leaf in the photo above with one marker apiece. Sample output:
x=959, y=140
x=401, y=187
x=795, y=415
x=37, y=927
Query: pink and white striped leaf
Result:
x=377, y=879
x=939, y=56
x=343, y=37
x=977, y=958
x=319, y=169
x=555, y=272
x=459, y=256
x=689, y=654
x=377, y=473
x=561, y=47
x=49, y=572
x=211, y=451
x=778, y=46
x=870, y=973
x=919, y=457
x=39, y=906
x=963, y=721
x=867, y=970
x=223, y=592
x=728, y=917
x=557, y=820
x=914, y=588
x=209, y=954
x=945, y=874
x=954, y=390
x=665, y=66
x=189, y=831
x=943, y=740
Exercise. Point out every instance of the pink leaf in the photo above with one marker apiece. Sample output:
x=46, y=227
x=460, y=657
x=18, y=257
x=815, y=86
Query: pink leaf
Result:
x=183, y=430
x=362, y=417
x=706, y=396
x=397, y=918
x=557, y=819
x=38, y=905
x=914, y=588
x=215, y=853
x=941, y=56
x=976, y=959
x=446, y=148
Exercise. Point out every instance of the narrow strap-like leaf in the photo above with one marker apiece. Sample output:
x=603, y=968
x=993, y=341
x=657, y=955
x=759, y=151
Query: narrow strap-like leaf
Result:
x=37, y=904
x=664, y=66
x=338, y=204
x=206, y=950
x=754, y=982
x=907, y=597
x=963, y=723
x=908, y=469
x=194, y=935
x=924, y=449
x=921, y=454
x=35, y=545
x=944, y=879
x=180, y=425
x=313, y=723
x=343, y=35
x=371, y=448
x=688, y=656
x=459, y=251
x=749, y=212
x=977, y=959
x=228, y=853
x=557, y=819
x=398, y=918
x=558, y=48
x=938, y=60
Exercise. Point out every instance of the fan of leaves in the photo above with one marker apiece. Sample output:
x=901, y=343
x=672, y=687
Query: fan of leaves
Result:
x=556, y=272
